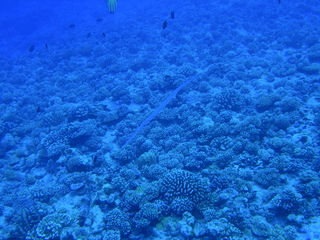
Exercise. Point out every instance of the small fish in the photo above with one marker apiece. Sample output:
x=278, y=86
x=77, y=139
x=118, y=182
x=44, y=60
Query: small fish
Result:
x=72, y=25
x=99, y=19
x=304, y=139
x=103, y=35
x=164, y=24
x=172, y=15
x=31, y=48
x=46, y=46
x=279, y=1
x=88, y=34
x=38, y=109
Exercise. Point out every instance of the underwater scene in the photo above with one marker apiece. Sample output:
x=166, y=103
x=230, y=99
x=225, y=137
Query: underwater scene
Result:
x=160, y=120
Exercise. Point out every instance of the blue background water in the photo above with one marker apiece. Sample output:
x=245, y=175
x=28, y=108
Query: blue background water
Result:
x=113, y=127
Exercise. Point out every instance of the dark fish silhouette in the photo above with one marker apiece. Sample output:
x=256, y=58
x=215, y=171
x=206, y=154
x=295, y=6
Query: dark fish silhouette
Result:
x=99, y=19
x=279, y=1
x=72, y=25
x=103, y=35
x=304, y=139
x=172, y=15
x=88, y=35
x=38, y=109
x=46, y=46
x=31, y=48
x=164, y=24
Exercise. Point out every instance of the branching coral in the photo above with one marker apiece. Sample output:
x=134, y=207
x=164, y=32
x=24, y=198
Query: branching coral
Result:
x=184, y=188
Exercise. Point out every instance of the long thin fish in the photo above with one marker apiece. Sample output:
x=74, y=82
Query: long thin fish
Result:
x=157, y=111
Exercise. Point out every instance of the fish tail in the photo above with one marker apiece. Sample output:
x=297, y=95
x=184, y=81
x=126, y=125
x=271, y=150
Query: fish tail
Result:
x=112, y=5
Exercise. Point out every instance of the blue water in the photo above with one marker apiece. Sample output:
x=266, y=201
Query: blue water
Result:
x=189, y=119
